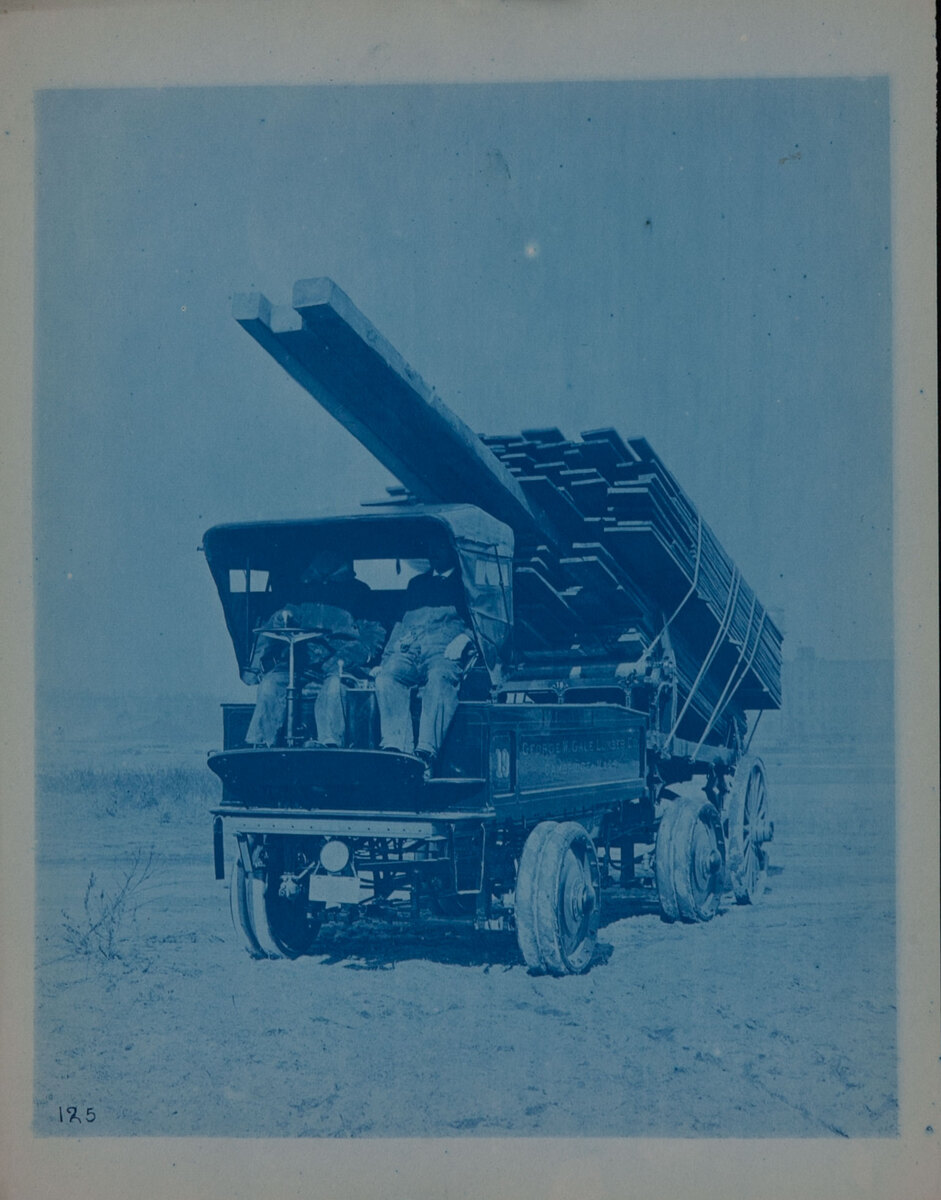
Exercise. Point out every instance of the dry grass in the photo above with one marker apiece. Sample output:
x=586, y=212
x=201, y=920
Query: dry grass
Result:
x=170, y=792
x=99, y=934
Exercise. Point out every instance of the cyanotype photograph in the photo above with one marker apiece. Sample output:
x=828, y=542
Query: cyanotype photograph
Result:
x=464, y=645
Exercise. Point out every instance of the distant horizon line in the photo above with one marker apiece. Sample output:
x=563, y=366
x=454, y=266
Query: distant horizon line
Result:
x=49, y=690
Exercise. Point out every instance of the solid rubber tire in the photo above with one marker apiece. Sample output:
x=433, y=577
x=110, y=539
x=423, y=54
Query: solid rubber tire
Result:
x=559, y=876
x=525, y=899
x=241, y=911
x=677, y=860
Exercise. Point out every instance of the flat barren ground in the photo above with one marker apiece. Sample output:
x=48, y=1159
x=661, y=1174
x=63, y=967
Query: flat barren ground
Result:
x=774, y=1020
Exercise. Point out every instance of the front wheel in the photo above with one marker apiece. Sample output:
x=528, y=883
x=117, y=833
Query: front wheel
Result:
x=242, y=910
x=272, y=914
x=558, y=899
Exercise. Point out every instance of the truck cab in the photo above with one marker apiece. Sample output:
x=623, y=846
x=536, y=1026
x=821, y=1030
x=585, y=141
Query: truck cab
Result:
x=513, y=759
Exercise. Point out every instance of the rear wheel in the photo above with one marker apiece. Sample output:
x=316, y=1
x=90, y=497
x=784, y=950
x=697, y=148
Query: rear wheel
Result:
x=558, y=899
x=689, y=860
x=749, y=831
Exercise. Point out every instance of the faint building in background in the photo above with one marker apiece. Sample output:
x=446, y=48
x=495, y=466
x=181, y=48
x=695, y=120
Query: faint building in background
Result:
x=832, y=702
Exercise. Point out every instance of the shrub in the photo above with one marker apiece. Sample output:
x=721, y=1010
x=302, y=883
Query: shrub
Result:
x=97, y=934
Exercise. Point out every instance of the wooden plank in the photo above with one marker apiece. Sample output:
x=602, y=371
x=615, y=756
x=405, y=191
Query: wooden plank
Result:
x=648, y=503
x=601, y=455
x=593, y=607
x=591, y=572
x=559, y=510
x=343, y=361
x=518, y=462
x=534, y=593
x=642, y=449
x=552, y=469
x=584, y=474
x=550, y=435
x=542, y=560
x=546, y=452
x=590, y=496
x=637, y=600
x=613, y=439
x=501, y=440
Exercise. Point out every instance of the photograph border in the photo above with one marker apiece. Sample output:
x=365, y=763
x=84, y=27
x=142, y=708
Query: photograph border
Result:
x=367, y=41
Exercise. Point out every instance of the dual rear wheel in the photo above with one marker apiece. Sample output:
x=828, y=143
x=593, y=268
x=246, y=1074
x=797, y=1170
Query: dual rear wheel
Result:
x=689, y=860
x=701, y=854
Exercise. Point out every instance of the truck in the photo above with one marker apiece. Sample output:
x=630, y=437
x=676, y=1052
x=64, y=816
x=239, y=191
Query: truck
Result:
x=601, y=740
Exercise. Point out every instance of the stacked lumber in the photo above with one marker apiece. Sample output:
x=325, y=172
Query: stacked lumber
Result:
x=612, y=558
x=638, y=555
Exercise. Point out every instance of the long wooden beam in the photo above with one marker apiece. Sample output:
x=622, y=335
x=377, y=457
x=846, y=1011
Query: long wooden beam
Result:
x=326, y=344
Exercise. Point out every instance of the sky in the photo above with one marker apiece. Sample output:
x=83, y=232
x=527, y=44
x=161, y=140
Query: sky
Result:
x=704, y=263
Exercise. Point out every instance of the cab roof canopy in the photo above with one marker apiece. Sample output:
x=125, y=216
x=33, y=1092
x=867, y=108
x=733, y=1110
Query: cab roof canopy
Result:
x=255, y=565
x=287, y=546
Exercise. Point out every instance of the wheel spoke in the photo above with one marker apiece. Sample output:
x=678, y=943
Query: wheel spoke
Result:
x=576, y=901
x=747, y=829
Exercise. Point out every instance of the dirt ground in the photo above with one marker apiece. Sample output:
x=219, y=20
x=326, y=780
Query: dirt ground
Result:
x=776, y=1020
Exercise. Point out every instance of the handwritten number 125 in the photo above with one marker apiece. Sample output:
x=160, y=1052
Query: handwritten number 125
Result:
x=70, y=1113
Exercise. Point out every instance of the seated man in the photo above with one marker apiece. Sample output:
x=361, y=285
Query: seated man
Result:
x=333, y=663
x=331, y=599
x=431, y=648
